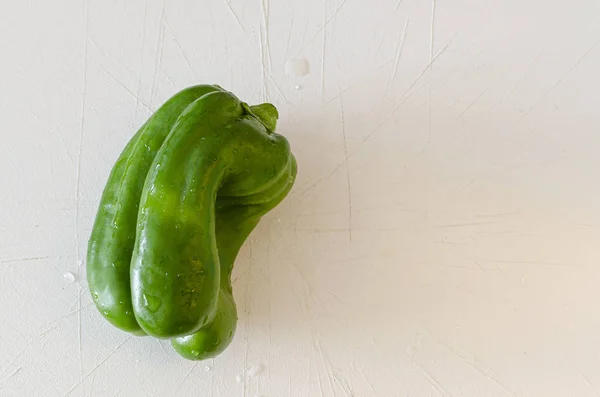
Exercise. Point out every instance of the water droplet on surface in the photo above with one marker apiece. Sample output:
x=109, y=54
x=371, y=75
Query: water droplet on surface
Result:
x=411, y=350
x=278, y=219
x=297, y=67
x=238, y=379
x=257, y=240
x=95, y=295
x=194, y=352
x=122, y=302
x=127, y=312
x=151, y=302
x=207, y=368
x=69, y=277
x=297, y=88
x=80, y=262
x=255, y=370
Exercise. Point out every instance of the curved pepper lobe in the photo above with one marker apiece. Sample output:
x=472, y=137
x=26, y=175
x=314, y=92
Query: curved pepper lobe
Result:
x=114, y=231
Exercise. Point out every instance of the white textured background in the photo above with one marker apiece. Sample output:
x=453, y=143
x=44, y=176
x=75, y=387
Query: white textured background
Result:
x=442, y=238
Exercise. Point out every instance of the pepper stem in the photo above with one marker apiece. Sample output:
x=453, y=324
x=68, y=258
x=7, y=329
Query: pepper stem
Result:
x=266, y=113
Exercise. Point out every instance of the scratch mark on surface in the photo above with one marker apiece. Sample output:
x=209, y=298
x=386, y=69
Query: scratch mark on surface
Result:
x=166, y=76
x=98, y=366
x=345, y=230
x=560, y=80
x=304, y=34
x=92, y=385
x=316, y=183
x=583, y=224
x=406, y=94
x=368, y=382
x=524, y=76
x=314, y=358
x=432, y=36
x=48, y=330
x=13, y=374
x=277, y=87
x=122, y=85
x=448, y=266
x=8, y=363
x=480, y=267
x=35, y=258
x=538, y=263
x=319, y=349
x=327, y=21
x=270, y=348
x=108, y=55
x=341, y=382
x=139, y=80
x=339, y=94
x=430, y=378
x=159, y=50
x=247, y=312
x=399, y=51
x=78, y=185
x=323, y=55
x=266, y=13
x=212, y=379
x=237, y=20
x=586, y=379
x=431, y=43
x=187, y=375
x=472, y=103
x=259, y=51
x=465, y=224
x=398, y=4
x=64, y=317
x=263, y=63
x=498, y=215
x=448, y=242
x=380, y=44
x=79, y=300
x=64, y=145
x=289, y=37
x=161, y=346
x=177, y=43
x=347, y=171
x=16, y=372
x=486, y=372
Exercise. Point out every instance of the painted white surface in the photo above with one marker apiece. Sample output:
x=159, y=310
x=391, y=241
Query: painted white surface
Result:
x=443, y=235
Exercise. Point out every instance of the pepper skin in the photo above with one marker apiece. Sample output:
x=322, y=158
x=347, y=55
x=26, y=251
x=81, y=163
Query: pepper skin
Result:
x=180, y=201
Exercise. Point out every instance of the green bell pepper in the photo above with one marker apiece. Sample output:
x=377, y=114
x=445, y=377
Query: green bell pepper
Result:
x=179, y=203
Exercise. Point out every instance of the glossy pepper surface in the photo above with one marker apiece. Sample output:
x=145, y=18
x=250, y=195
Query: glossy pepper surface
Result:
x=180, y=201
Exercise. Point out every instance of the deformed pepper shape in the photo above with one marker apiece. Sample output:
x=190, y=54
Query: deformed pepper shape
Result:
x=180, y=201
